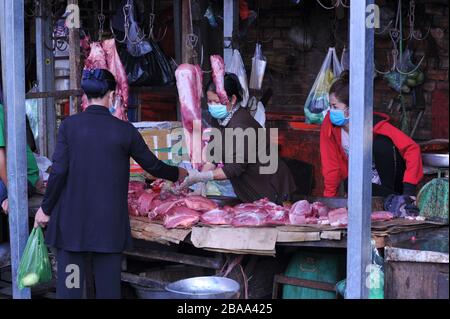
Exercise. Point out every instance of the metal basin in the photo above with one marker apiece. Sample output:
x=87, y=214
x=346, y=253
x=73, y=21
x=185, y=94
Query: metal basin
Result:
x=204, y=288
x=435, y=160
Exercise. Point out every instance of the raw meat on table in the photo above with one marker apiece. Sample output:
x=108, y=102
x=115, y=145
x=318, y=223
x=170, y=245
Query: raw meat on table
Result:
x=299, y=212
x=181, y=217
x=249, y=219
x=218, y=73
x=338, y=217
x=145, y=201
x=277, y=217
x=217, y=217
x=199, y=203
x=319, y=209
x=381, y=215
x=190, y=91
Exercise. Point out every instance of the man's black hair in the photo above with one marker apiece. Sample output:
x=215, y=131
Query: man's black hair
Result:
x=96, y=83
x=231, y=84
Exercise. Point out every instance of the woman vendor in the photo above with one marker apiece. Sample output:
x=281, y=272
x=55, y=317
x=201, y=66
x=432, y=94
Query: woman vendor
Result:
x=248, y=181
x=397, y=162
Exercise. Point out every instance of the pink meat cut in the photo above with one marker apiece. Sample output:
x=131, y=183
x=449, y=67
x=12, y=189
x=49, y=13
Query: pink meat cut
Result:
x=144, y=202
x=189, y=84
x=158, y=212
x=181, y=217
x=218, y=68
x=381, y=215
x=217, y=217
x=117, y=69
x=104, y=56
x=338, y=217
x=299, y=212
x=249, y=219
x=319, y=209
x=199, y=203
x=277, y=217
x=135, y=188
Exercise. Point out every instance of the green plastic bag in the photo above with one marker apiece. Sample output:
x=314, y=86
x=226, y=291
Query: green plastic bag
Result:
x=35, y=265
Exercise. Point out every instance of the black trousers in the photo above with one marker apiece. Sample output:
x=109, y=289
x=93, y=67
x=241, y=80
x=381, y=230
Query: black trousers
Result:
x=390, y=167
x=71, y=274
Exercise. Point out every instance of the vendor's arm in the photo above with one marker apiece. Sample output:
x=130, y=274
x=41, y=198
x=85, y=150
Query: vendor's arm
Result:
x=3, y=167
x=330, y=162
x=58, y=174
x=410, y=151
x=150, y=163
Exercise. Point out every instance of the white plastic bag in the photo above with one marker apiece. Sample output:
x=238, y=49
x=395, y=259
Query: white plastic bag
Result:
x=259, y=63
x=237, y=67
x=43, y=164
x=317, y=103
x=31, y=109
x=345, y=59
x=260, y=114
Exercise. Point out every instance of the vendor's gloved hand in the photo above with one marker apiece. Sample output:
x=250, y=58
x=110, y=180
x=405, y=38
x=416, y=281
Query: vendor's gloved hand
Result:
x=401, y=205
x=195, y=177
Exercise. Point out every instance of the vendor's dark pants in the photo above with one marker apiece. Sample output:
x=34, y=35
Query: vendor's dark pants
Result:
x=71, y=274
x=390, y=167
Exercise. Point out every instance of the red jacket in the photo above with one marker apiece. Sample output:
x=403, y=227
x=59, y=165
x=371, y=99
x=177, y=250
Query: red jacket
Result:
x=335, y=161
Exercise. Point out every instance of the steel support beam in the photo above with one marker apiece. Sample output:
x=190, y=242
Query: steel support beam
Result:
x=74, y=56
x=230, y=22
x=13, y=58
x=45, y=78
x=360, y=161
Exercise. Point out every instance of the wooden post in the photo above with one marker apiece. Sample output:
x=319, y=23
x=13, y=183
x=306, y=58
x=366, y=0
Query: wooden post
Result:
x=186, y=51
x=74, y=56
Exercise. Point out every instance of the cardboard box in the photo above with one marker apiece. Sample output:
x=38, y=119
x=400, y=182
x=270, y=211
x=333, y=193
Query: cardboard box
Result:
x=161, y=137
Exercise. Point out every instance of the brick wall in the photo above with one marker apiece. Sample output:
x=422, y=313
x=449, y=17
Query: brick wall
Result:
x=291, y=72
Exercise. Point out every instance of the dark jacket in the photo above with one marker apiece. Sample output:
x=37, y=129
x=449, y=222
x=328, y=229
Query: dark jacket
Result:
x=86, y=194
x=248, y=182
x=335, y=161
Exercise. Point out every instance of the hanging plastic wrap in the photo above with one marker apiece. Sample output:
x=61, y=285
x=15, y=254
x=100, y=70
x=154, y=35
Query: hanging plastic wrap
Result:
x=318, y=103
x=31, y=109
x=259, y=64
x=237, y=67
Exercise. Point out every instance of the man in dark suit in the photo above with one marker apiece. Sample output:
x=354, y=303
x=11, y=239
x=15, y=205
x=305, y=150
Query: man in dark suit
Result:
x=85, y=203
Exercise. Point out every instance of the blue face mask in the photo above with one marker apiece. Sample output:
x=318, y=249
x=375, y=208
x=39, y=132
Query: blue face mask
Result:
x=338, y=118
x=218, y=111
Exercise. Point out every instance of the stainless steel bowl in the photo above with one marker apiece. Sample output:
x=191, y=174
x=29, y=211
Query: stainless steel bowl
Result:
x=204, y=288
x=435, y=160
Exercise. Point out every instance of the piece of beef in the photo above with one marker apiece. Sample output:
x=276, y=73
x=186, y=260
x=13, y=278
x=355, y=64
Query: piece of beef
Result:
x=217, y=217
x=381, y=215
x=299, y=212
x=163, y=207
x=145, y=201
x=181, y=217
x=277, y=217
x=190, y=90
x=249, y=219
x=218, y=68
x=117, y=69
x=199, y=203
x=319, y=209
x=338, y=217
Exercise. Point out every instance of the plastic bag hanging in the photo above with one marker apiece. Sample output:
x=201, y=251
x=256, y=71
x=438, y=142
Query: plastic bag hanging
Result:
x=317, y=103
x=259, y=64
x=237, y=67
x=34, y=267
x=345, y=59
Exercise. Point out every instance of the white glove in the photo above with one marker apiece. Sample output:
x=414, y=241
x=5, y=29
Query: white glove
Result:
x=195, y=177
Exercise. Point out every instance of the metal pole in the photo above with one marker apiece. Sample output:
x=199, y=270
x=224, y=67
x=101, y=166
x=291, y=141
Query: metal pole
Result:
x=13, y=57
x=360, y=162
x=45, y=77
x=75, y=58
x=229, y=23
